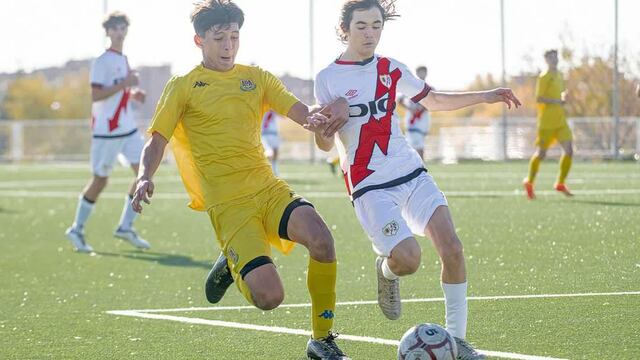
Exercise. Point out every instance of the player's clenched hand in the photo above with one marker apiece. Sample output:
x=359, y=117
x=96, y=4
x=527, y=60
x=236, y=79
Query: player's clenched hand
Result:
x=144, y=192
x=138, y=95
x=316, y=122
x=338, y=114
x=504, y=95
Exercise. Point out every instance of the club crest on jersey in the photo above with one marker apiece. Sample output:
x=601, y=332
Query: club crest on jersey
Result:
x=247, y=85
x=391, y=228
x=386, y=80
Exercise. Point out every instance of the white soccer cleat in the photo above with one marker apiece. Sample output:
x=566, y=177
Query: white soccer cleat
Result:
x=388, y=294
x=132, y=237
x=466, y=351
x=77, y=239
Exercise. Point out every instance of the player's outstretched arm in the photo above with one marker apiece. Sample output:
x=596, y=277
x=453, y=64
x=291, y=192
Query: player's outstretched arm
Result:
x=149, y=163
x=101, y=93
x=336, y=114
x=446, y=101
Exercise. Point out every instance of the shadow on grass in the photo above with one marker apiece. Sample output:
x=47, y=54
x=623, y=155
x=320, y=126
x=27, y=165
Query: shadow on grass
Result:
x=7, y=211
x=162, y=259
x=605, y=203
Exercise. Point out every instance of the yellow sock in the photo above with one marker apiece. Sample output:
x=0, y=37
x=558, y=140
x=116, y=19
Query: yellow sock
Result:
x=565, y=166
x=534, y=165
x=244, y=289
x=321, y=281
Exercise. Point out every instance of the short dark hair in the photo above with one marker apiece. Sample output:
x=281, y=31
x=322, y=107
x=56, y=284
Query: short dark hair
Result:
x=387, y=9
x=210, y=13
x=114, y=19
x=421, y=67
x=550, y=51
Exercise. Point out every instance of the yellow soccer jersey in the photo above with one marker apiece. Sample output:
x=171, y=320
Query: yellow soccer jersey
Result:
x=550, y=85
x=213, y=120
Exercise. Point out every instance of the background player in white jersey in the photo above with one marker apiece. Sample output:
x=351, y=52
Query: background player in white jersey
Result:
x=271, y=137
x=393, y=196
x=114, y=132
x=417, y=119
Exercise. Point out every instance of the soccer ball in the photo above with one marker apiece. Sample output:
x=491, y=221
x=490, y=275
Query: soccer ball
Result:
x=427, y=342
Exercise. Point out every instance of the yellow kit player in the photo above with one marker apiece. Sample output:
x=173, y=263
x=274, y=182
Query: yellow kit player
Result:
x=213, y=116
x=552, y=125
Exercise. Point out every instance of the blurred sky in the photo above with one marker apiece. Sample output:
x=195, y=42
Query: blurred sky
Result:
x=456, y=39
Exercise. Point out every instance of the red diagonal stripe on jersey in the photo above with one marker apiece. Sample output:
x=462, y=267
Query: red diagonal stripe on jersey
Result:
x=416, y=115
x=122, y=106
x=376, y=132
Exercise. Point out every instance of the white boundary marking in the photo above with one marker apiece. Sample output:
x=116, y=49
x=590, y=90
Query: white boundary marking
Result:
x=321, y=194
x=153, y=314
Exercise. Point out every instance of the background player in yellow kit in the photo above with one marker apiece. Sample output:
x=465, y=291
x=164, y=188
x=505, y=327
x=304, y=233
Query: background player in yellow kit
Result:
x=552, y=125
x=214, y=114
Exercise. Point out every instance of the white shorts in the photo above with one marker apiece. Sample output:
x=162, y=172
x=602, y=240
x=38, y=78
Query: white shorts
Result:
x=416, y=139
x=104, y=152
x=271, y=142
x=391, y=215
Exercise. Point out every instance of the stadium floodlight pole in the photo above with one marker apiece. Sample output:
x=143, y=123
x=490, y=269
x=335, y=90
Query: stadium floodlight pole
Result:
x=614, y=98
x=312, y=145
x=504, y=84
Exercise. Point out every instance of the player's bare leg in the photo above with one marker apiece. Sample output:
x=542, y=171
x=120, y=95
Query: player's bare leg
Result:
x=86, y=203
x=565, y=166
x=125, y=229
x=403, y=260
x=307, y=228
x=454, y=279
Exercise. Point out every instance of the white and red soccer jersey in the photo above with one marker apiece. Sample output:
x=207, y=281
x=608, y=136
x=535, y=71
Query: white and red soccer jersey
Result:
x=417, y=118
x=270, y=123
x=373, y=151
x=113, y=116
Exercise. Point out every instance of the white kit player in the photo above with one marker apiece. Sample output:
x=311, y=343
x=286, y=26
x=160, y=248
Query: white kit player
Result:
x=417, y=119
x=271, y=137
x=114, y=132
x=393, y=195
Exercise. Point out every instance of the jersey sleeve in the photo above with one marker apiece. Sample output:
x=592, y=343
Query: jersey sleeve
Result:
x=98, y=74
x=169, y=109
x=411, y=86
x=321, y=90
x=276, y=95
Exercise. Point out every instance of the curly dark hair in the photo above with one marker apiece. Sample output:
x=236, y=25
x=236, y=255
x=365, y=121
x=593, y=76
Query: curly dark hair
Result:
x=387, y=9
x=210, y=13
x=114, y=19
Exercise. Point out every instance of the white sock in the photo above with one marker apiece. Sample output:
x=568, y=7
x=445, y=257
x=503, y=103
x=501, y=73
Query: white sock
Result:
x=128, y=215
x=455, y=299
x=82, y=212
x=386, y=271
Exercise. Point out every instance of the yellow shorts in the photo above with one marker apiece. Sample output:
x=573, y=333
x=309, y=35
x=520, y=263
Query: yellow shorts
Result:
x=547, y=137
x=247, y=228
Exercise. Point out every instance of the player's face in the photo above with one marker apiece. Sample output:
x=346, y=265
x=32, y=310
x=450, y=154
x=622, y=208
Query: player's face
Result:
x=117, y=33
x=220, y=46
x=552, y=59
x=422, y=73
x=365, y=30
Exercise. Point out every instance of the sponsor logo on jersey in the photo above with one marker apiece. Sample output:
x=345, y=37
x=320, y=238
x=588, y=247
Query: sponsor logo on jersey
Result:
x=375, y=107
x=247, y=85
x=199, y=84
x=327, y=314
x=233, y=255
x=351, y=94
x=391, y=228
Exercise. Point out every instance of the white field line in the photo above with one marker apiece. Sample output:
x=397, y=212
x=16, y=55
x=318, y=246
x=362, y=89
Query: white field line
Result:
x=320, y=194
x=373, y=302
x=283, y=330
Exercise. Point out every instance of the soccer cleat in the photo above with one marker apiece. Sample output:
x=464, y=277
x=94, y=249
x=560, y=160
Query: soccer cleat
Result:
x=325, y=349
x=563, y=189
x=218, y=280
x=132, y=237
x=466, y=351
x=77, y=239
x=528, y=187
x=388, y=293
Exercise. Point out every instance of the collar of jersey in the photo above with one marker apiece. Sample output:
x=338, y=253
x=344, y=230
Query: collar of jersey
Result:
x=229, y=73
x=361, y=62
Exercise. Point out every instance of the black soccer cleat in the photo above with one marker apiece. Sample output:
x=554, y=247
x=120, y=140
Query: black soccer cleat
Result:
x=325, y=349
x=218, y=280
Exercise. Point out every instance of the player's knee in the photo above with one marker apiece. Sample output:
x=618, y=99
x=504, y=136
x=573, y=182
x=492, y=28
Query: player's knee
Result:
x=569, y=151
x=268, y=299
x=409, y=264
x=542, y=154
x=321, y=241
x=452, y=250
x=406, y=257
